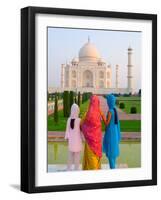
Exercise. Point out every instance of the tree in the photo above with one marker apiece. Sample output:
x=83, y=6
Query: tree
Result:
x=139, y=92
x=75, y=99
x=48, y=96
x=58, y=95
x=71, y=98
x=56, y=117
x=79, y=98
x=86, y=96
x=51, y=96
x=66, y=103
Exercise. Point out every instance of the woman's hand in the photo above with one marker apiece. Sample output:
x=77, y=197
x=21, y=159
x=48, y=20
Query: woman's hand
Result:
x=106, y=121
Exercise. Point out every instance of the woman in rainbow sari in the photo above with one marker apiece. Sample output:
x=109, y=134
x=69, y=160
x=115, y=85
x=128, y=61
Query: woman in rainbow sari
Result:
x=91, y=128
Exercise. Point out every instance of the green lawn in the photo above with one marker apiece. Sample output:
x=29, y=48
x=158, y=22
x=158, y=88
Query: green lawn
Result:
x=130, y=102
x=83, y=108
x=62, y=120
x=60, y=126
x=126, y=125
x=130, y=125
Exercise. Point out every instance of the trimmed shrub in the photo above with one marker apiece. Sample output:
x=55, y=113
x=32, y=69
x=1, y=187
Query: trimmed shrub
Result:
x=52, y=97
x=116, y=94
x=48, y=96
x=79, y=98
x=89, y=95
x=125, y=95
x=122, y=105
x=71, y=98
x=133, y=110
x=86, y=96
x=59, y=95
x=75, y=99
x=56, y=117
x=66, y=104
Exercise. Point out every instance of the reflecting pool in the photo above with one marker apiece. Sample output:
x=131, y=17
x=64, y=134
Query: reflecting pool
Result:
x=130, y=154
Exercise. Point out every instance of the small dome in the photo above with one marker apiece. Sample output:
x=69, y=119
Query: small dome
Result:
x=101, y=61
x=75, y=60
x=89, y=52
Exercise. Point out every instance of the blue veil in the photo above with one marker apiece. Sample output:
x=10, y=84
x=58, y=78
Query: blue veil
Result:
x=112, y=135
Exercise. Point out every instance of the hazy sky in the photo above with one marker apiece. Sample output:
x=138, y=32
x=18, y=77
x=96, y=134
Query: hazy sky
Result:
x=65, y=43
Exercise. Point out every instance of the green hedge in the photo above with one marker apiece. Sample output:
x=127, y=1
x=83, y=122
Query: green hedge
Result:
x=56, y=117
x=66, y=103
x=71, y=98
x=122, y=105
x=79, y=99
x=133, y=110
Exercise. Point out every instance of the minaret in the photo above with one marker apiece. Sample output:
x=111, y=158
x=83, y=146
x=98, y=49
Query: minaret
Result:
x=117, y=68
x=62, y=75
x=129, y=70
x=88, y=39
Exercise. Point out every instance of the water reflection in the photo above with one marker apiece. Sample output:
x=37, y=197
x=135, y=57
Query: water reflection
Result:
x=55, y=151
x=130, y=153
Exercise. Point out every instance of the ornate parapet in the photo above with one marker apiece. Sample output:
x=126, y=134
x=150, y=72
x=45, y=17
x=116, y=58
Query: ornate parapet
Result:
x=90, y=89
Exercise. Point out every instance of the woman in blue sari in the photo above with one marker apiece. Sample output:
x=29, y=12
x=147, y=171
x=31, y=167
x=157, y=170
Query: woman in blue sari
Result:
x=112, y=135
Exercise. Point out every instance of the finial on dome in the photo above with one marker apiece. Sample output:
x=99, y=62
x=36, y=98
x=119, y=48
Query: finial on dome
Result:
x=88, y=39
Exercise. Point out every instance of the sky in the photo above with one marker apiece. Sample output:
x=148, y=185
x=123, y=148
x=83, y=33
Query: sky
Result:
x=65, y=43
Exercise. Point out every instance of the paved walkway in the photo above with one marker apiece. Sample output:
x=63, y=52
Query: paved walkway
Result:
x=122, y=114
x=63, y=167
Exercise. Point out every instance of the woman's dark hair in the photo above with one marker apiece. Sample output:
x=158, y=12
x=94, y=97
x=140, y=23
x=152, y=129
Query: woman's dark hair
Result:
x=72, y=123
x=116, y=117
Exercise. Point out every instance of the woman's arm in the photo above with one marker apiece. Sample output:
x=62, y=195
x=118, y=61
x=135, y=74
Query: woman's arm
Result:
x=106, y=121
x=103, y=117
x=67, y=130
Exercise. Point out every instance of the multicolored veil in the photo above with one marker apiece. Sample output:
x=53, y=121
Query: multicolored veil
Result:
x=91, y=126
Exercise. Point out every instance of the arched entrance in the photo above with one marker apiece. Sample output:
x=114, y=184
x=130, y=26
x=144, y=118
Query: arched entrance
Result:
x=87, y=79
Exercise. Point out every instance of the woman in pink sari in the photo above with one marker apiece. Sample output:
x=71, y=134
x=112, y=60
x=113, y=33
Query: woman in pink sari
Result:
x=91, y=128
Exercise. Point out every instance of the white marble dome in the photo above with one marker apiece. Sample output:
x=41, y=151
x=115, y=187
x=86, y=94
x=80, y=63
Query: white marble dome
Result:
x=89, y=52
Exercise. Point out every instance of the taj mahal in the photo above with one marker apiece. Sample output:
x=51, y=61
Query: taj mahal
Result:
x=91, y=73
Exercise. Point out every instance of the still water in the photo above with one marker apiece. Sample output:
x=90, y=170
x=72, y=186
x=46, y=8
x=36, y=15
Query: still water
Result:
x=130, y=154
